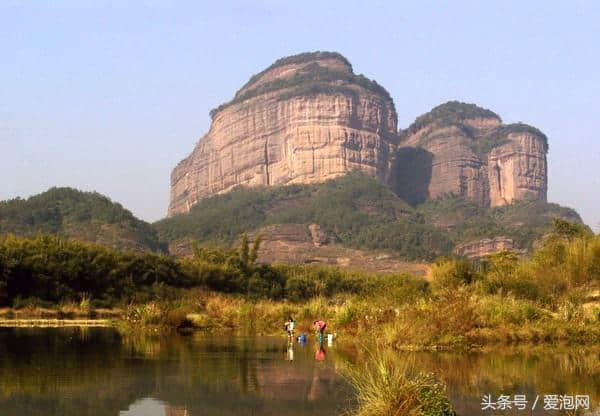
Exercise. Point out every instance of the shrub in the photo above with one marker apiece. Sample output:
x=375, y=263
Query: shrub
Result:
x=385, y=386
x=298, y=288
x=453, y=273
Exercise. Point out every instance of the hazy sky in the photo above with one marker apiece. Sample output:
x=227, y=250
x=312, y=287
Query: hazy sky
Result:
x=110, y=95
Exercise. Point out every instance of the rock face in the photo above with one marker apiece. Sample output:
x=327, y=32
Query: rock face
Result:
x=466, y=150
x=307, y=118
x=308, y=244
x=484, y=247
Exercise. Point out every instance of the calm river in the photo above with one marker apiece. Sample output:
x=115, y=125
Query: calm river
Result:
x=97, y=371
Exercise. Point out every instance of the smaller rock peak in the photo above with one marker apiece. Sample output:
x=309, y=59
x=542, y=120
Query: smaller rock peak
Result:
x=521, y=128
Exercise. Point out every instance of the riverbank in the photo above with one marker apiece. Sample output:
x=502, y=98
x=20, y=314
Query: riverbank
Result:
x=59, y=312
x=454, y=319
x=552, y=296
x=54, y=323
x=404, y=317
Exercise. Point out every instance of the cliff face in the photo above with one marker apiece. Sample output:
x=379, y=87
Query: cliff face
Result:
x=469, y=152
x=518, y=169
x=486, y=246
x=308, y=118
x=305, y=119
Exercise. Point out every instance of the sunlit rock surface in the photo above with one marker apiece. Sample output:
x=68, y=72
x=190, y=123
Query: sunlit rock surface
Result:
x=305, y=119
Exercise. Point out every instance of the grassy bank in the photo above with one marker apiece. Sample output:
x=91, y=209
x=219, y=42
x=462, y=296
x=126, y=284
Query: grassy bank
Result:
x=552, y=296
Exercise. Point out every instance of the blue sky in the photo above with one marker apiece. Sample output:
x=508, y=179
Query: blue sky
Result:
x=110, y=95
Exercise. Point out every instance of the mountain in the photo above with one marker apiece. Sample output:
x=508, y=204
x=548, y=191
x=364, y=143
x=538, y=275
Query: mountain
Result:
x=308, y=118
x=305, y=119
x=465, y=150
x=79, y=215
x=312, y=222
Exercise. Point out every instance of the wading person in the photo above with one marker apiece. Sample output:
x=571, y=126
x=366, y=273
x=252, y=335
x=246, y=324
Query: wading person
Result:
x=289, y=327
x=320, y=329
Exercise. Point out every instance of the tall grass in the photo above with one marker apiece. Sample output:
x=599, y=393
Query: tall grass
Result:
x=387, y=386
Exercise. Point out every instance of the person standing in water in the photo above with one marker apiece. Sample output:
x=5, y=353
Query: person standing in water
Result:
x=289, y=327
x=320, y=329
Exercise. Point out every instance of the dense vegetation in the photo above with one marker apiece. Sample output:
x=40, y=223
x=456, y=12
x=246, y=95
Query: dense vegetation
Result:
x=80, y=215
x=46, y=270
x=311, y=80
x=552, y=296
x=360, y=212
x=356, y=209
x=524, y=221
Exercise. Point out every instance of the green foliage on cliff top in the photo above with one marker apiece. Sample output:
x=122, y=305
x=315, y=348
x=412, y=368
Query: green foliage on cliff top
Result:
x=454, y=114
x=505, y=130
x=450, y=113
x=362, y=213
x=298, y=59
x=310, y=80
x=71, y=213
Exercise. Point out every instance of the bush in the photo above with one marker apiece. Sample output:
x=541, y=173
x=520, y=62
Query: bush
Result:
x=501, y=310
x=298, y=288
x=385, y=386
x=453, y=273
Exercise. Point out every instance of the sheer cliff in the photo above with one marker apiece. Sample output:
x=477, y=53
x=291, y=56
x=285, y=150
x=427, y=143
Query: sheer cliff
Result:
x=306, y=118
x=465, y=150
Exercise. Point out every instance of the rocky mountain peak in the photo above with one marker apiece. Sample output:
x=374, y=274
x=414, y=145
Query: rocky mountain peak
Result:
x=465, y=150
x=306, y=118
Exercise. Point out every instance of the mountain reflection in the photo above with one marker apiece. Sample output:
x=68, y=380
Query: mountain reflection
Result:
x=97, y=371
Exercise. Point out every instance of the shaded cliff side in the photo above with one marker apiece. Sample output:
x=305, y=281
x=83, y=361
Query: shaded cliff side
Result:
x=306, y=118
x=465, y=150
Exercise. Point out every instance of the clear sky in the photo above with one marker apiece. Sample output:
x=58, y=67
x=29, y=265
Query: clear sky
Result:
x=110, y=95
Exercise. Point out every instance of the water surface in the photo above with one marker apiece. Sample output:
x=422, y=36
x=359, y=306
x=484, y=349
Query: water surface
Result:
x=97, y=371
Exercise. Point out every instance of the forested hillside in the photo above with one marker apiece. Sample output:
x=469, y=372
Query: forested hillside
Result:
x=360, y=212
x=79, y=215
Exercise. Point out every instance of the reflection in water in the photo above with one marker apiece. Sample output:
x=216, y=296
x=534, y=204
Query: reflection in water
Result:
x=176, y=411
x=69, y=372
x=290, y=351
x=99, y=372
x=320, y=353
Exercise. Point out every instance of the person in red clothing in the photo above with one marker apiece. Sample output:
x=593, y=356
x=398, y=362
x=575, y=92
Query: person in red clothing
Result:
x=320, y=329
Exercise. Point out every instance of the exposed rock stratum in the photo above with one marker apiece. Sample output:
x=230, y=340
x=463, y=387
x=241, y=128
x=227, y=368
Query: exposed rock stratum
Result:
x=308, y=118
x=465, y=150
x=305, y=119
